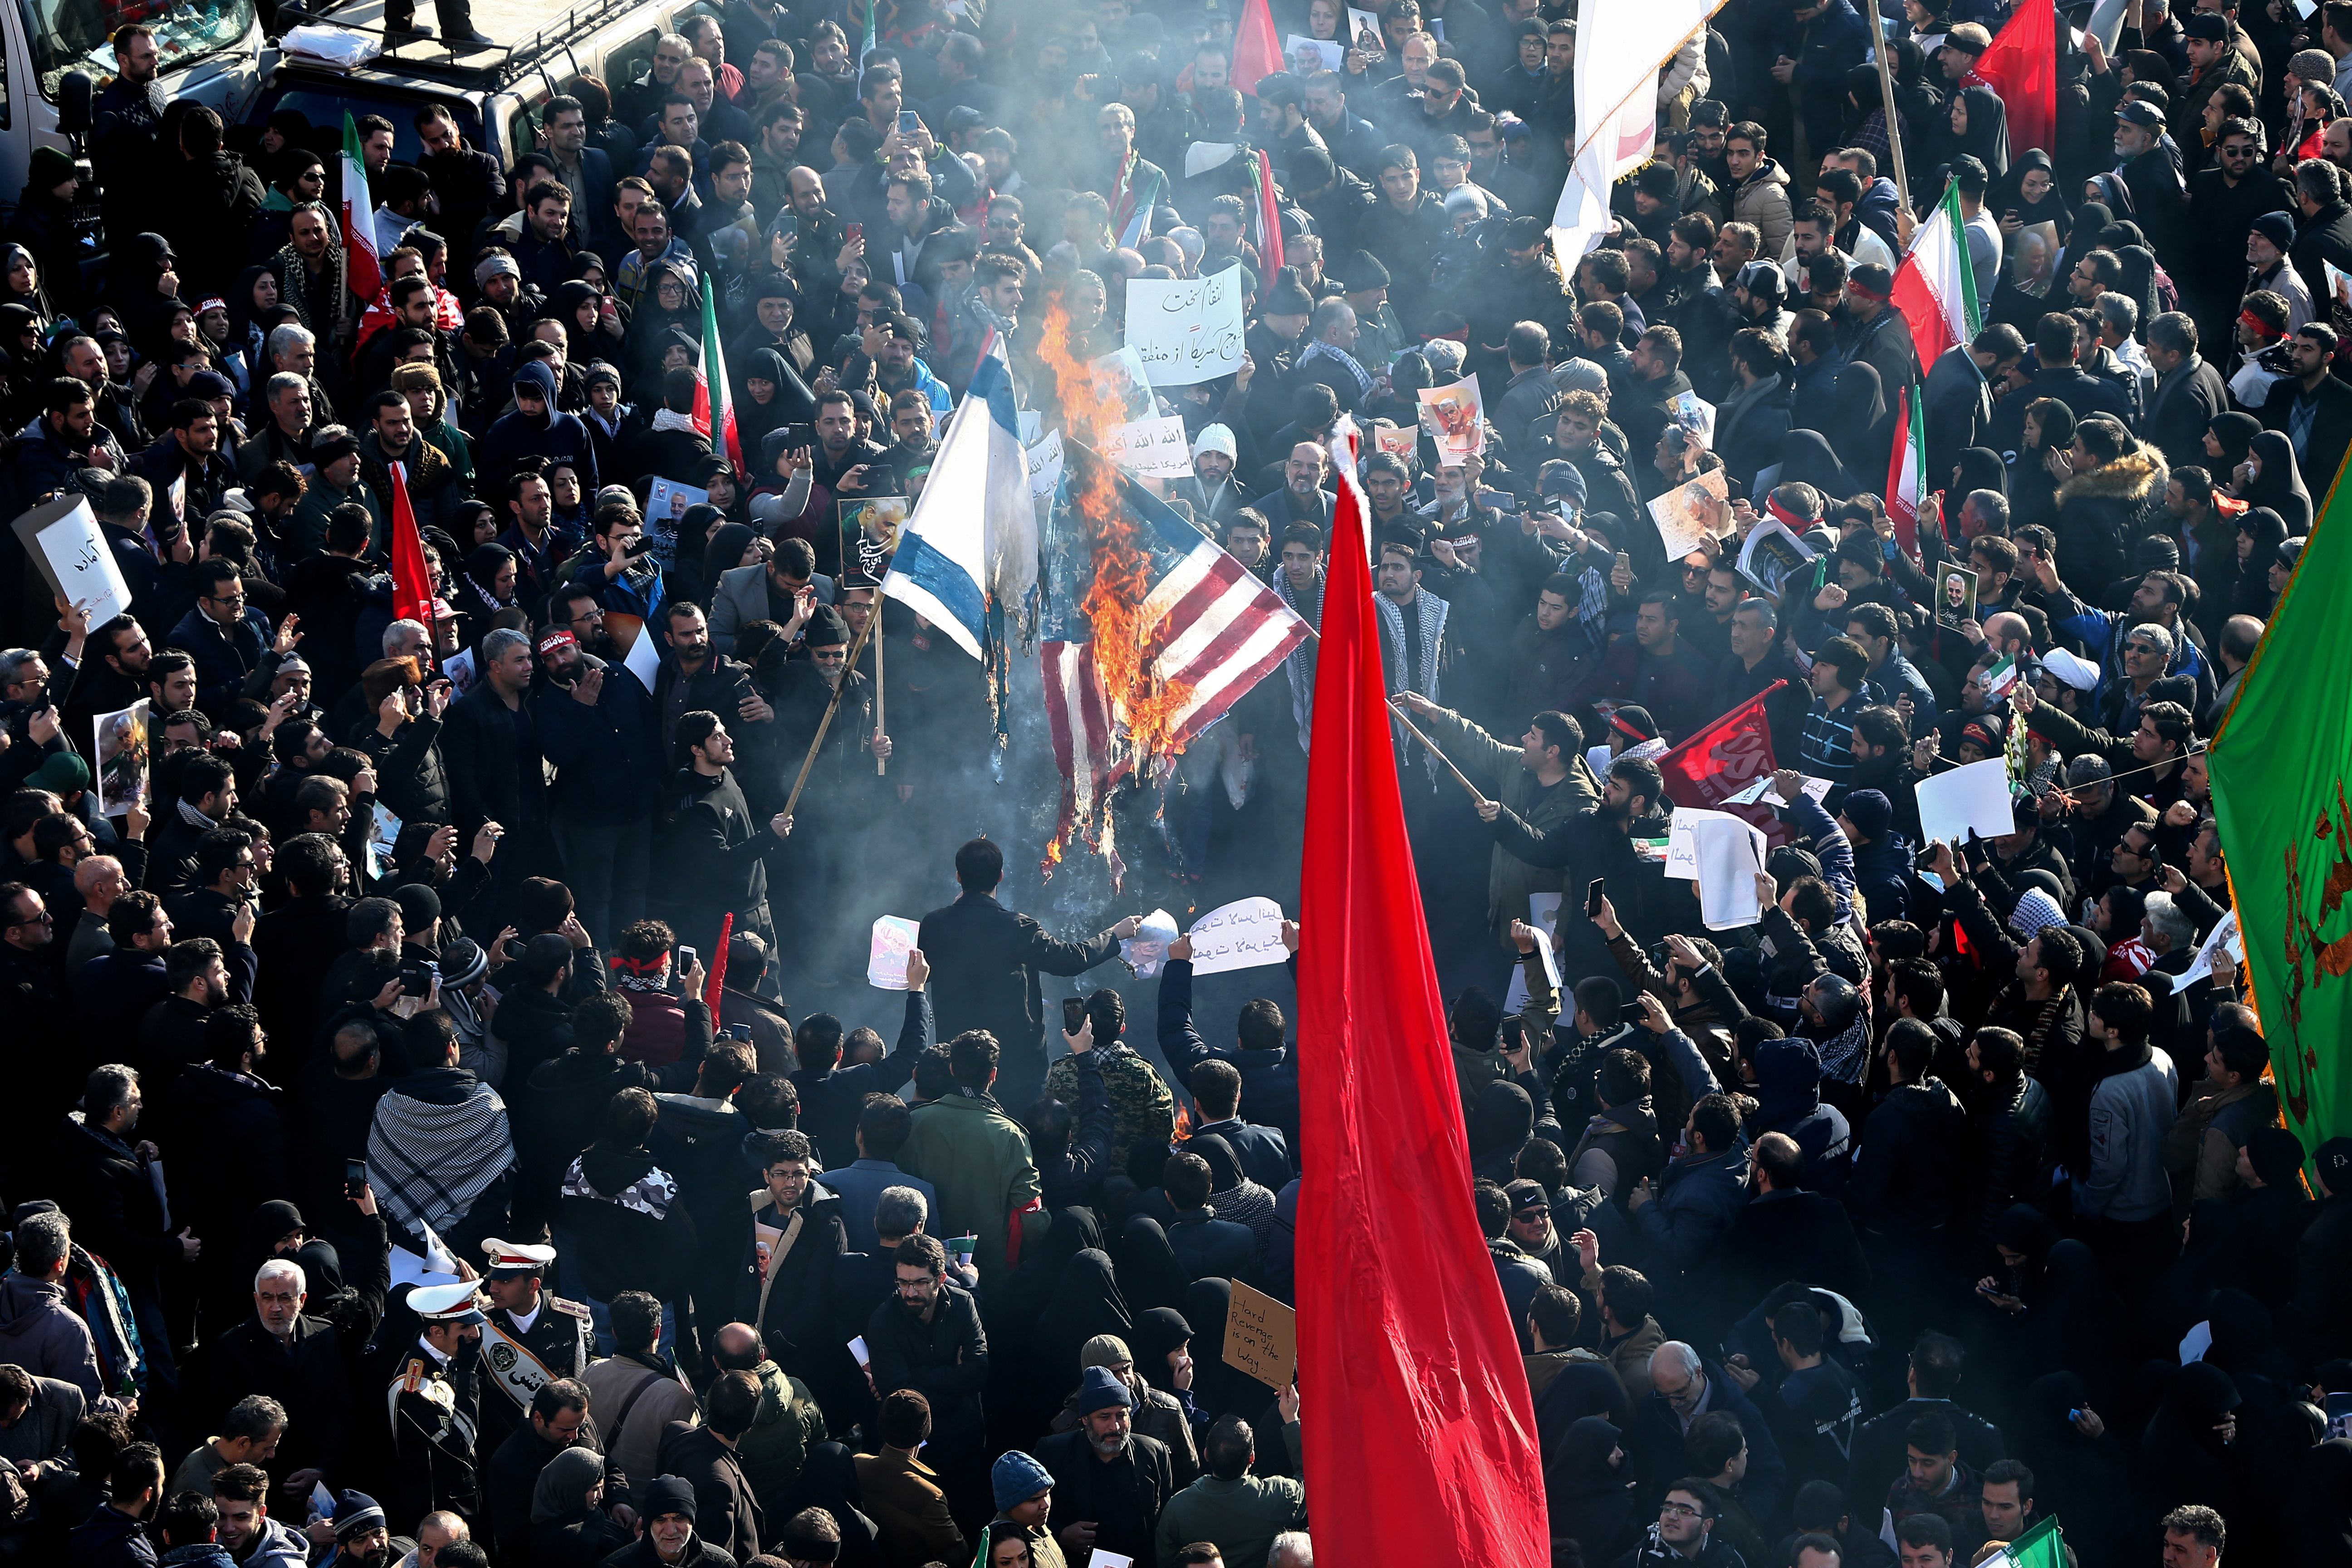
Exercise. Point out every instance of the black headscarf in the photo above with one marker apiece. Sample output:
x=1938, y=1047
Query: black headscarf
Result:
x=1987, y=137
x=2007, y=194
x=1589, y=1500
x=265, y=1228
x=1217, y=1389
x=2181, y=1455
x=754, y=420
x=1856, y=423
x=1500, y=1124
x=2280, y=484
x=1980, y=468
x=1086, y=1303
x=1806, y=456
x=723, y=554
x=483, y=564
x=1158, y=1331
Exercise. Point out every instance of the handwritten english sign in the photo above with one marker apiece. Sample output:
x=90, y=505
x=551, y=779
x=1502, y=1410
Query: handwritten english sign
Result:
x=1244, y=935
x=1186, y=330
x=1261, y=1337
x=1154, y=447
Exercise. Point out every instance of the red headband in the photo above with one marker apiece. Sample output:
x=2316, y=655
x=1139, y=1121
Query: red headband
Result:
x=2249, y=319
x=640, y=965
x=1626, y=730
x=1856, y=285
x=1784, y=516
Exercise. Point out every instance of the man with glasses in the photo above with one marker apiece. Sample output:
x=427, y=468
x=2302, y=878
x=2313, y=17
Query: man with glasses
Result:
x=928, y=1338
x=1684, y=1531
x=1683, y=1388
x=224, y=636
x=226, y=870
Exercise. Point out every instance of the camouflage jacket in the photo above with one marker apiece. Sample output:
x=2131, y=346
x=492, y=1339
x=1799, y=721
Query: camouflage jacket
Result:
x=1143, y=1107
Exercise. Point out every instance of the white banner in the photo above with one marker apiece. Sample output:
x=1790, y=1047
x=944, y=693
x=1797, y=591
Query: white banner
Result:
x=1156, y=448
x=1188, y=329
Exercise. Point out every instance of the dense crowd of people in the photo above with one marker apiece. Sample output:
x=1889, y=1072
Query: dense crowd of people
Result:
x=442, y=1142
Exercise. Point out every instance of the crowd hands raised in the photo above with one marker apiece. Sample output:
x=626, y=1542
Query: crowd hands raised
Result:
x=1923, y=1208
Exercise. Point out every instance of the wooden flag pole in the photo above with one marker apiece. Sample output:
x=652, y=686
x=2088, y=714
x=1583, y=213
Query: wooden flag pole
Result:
x=881, y=765
x=848, y=668
x=1476, y=792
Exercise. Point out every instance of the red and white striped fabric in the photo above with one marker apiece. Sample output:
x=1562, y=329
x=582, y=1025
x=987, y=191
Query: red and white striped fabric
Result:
x=1215, y=629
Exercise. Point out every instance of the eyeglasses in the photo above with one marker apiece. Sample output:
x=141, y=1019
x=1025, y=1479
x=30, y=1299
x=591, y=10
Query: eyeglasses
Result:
x=831, y=655
x=38, y=918
x=1680, y=1510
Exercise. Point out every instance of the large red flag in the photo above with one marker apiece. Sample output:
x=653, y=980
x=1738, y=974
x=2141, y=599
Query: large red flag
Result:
x=412, y=579
x=2022, y=67
x=1418, y=1424
x=1257, y=52
x=1724, y=759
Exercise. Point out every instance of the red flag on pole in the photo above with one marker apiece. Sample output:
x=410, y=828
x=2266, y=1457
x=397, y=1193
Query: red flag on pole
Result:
x=2022, y=67
x=412, y=579
x=1724, y=759
x=1418, y=1424
x=714, y=986
x=1257, y=52
x=1269, y=219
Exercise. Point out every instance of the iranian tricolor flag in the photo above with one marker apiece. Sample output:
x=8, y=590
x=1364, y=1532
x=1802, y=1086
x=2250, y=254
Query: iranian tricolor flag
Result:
x=714, y=406
x=1935, y=288
x=363, y=269
x=1906, y=470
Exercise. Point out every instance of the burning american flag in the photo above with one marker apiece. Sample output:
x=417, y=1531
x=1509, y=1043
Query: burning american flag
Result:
x=1155, y=632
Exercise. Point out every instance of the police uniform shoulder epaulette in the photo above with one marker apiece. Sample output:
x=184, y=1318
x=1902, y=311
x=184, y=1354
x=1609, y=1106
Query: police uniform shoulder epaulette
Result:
x=412, y=1376
x=568, y=1309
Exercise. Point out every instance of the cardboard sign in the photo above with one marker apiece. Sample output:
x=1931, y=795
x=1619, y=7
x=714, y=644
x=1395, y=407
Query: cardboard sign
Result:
x=119, y=745
x=1187, y=329
x=1261, y=1337
x=886, y=961
x=1244, y=935
x=1154, y=447
x=65, y=541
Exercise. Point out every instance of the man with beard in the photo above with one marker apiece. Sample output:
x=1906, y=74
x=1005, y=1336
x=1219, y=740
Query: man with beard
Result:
x=711, y=846
x=361, y=1538
x=115, y=678
x=615, y=572
x=1545, y=780
x=595, y=722
x=929, y=1338
x=1113, y=1480
x=841, y=468
x=1598, y=841
x=1551, y=650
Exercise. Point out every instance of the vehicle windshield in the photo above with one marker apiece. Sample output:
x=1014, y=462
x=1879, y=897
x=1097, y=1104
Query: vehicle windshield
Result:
x=73, y=34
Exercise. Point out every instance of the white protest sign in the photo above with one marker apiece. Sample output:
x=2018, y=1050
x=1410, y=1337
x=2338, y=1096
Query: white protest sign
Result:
x=1186, y=330
x=1155, y=448
x=1721, y=853
x=1102, y=1559
x=1972, y=799
x=459, y=667
x=65, y=540
x=2226, y=932
x=886, y=961
x=1244, y=935
x=642, y=659
x=857, y=1349
x=1146, y=950
x=1764, y=791
x=1045, y=466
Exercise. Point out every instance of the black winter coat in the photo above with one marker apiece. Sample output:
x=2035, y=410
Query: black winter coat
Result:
x=797, y=1323
x=623, y=1226
x=488, y=783
x=1902, y=1177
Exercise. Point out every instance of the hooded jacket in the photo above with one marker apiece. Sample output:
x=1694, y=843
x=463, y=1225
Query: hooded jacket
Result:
x=2102, y=514
x=40, y=1334
x=1789, y=1081
x=710, y=846
x=552, y=435
x=626, y=1229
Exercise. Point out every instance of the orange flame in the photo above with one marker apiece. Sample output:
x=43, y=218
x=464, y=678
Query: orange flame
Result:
x=1125, y=648
x=1183, y=1124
